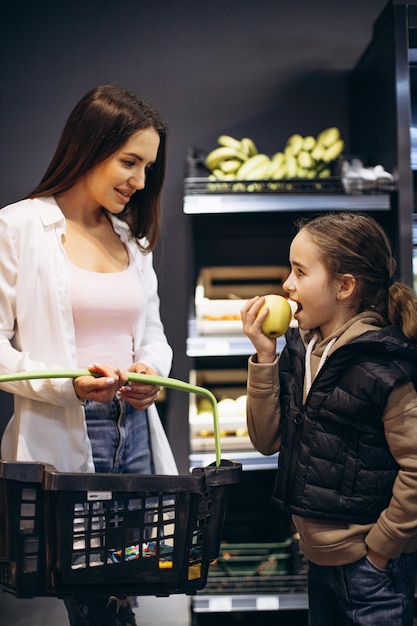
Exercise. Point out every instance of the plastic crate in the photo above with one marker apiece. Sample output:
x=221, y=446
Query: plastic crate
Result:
x=253, y=559
x=70, y=533
x=248, y=585
x=253, y=568
x=22, y=527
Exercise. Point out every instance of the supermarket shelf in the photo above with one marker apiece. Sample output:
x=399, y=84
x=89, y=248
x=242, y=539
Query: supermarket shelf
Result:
x=212, y=345
x=250, y=602
x=220, y=345
x=250, y=460
x=238, y=203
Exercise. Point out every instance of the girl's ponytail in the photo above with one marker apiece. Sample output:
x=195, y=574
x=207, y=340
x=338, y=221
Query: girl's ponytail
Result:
x=402, y=308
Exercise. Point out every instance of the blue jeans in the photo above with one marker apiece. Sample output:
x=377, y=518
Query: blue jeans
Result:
x=361, y=593
x=119, y=436
x=120, y=441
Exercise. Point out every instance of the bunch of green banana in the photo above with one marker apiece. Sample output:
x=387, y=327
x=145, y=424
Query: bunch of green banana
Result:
x=225, y=160
x=302, y=157
x=308, y=157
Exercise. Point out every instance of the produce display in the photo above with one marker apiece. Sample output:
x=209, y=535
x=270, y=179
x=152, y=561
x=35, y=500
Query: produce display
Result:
x=232, y=417
x=302, y=157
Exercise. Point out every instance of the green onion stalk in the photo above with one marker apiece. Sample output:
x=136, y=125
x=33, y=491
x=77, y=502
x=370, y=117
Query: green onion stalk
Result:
x=159, y=381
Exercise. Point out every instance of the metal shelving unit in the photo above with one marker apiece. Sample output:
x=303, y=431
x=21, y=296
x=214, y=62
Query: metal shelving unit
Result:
x=195, y=204
x=250, y=602
x=250, y=460
x=219, y=345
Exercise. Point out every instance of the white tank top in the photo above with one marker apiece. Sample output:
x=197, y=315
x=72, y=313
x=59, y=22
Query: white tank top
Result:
x=106, y=308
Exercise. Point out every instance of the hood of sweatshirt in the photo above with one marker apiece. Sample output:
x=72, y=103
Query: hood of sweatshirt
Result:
x=320, y=348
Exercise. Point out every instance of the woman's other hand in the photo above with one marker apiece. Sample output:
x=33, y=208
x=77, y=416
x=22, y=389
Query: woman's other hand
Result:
x=100, y=388
x=140, y=395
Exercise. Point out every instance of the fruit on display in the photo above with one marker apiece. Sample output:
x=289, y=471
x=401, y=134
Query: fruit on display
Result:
x=241, y=404
x=232, y=417
x=279, y=316
x=204, y=406
x=226, y=407
x=301, y=157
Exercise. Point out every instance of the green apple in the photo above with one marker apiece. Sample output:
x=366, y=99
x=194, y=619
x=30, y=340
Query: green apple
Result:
x=203, y=406
x=278, y=319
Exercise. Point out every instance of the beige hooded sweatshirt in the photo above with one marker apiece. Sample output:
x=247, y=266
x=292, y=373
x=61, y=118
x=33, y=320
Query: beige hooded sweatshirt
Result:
x=336, y=543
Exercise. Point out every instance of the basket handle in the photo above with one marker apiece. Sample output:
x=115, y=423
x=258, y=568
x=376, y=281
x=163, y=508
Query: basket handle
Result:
x=159, y=381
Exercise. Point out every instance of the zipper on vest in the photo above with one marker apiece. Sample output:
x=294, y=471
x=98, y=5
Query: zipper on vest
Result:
x=298, y=420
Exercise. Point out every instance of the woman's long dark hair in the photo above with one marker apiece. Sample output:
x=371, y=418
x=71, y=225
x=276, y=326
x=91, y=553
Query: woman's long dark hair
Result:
x=98, y=126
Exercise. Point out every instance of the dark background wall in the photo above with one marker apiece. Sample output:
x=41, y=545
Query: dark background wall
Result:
x=262, y=69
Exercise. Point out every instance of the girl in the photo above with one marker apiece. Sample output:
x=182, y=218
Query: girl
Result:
x=78, y=290
x=340, y=404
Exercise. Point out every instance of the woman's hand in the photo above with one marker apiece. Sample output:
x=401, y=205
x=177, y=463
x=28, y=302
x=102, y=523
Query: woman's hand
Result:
x=252, y=327
x=102, y=388
x=140, y=395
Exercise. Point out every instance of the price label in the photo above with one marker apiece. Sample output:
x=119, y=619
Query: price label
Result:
x=92, y=496
x=220, y=604
x=267, y=603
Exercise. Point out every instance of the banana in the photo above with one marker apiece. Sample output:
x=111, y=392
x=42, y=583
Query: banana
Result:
x=278, y=159
x=295, y=142
x=305, y=160
x=279, y=173
x=248, y=167
x=230, y=166
x=318, y=152
x=261, y=172
x=333, y=151
x=325, y=173
x=248, y=147
x=229, y=142
x=292, y=166
x=328, y=136
x=308, y=143
x=216, y=156
x=277, y=168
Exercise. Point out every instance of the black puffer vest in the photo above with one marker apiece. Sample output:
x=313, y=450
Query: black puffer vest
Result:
x=334, y=461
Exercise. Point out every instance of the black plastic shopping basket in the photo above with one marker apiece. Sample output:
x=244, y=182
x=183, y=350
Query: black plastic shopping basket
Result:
x=63, y=533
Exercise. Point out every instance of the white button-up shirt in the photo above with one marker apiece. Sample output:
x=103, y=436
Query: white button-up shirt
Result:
x=37, y=333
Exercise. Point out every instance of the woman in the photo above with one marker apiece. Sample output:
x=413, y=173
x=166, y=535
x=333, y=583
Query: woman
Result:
x=78, y=290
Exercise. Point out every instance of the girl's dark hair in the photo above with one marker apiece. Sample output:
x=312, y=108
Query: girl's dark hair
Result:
x=99, y=125
x=353, y=243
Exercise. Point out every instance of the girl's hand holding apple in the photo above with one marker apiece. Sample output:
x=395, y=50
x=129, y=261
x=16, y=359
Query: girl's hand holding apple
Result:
x=252, y=320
